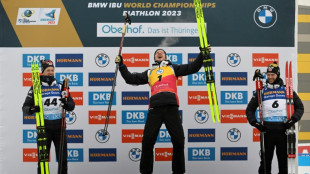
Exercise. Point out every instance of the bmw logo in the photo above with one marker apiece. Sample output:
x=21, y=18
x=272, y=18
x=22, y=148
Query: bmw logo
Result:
x=101, y=137
x=265, y=16
x=201, y=116
x=234, y=135
x=233, y=59
x=70, y=117
x=102, y=60
x=135, y=154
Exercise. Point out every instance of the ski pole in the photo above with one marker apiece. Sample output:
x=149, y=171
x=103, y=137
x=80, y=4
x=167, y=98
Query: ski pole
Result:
x=65, y=95
x=105, y=130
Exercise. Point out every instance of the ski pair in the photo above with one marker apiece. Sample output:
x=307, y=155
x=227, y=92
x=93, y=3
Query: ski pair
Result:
x=207, y=62
x=41, y=140
x=291, y=135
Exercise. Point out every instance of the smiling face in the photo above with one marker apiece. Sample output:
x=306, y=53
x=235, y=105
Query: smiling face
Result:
x=271, y=77
x=160, y=55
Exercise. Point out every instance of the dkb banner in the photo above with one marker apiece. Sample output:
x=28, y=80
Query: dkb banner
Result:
x=82, y=38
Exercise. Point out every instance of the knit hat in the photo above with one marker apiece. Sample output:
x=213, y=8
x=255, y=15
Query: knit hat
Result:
x=273, y=68
x=45, y=64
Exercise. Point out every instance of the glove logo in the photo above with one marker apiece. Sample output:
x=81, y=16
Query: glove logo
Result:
x=102, y=60
x=233, y=135
x=265, y=16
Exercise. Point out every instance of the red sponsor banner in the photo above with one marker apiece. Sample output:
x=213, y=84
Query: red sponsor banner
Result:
x=304, y=149
x=136, y=59
x=77, y=97
x=27, y=79
x=256, y=135
x=132, y=135
x=233, y=116
x=163, y=154
x=99, y=117
x=264, y=59
x=179, y=81
x=31, y=155
x=198, y=97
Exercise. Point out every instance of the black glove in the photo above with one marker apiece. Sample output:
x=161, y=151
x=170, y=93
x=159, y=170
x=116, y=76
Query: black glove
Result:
x=260, y=127
x=257, y=74
x=290, y=123
x=64, y=103
x=208, y=49
x=119, y=60
x=34, y=109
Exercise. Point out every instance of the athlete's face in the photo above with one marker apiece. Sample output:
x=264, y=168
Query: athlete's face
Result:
x=271, y=77
x=49, y=71
x=160, y=55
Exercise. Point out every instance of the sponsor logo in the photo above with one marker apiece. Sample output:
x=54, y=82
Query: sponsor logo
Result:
x=303, y=155
x=234, y=78
x=101, y=79
x=102, y=60
x=201, y=135
x=233, y=59
x=179, y=81
x=175, y=58
x=197, y=97
x=29, y=136
x=99, y=117
x=75, y=155
x=134, y=117
x=74, y=136
x=163, y=154
x=101, y=98
x=201, y=116
x=28, y=58
x=69, y=60
x=38, y=16
x=197, y=79
x=29, y=119
x=102, y=154
x=28, y=13
x=234, y=97
x=75, y=79
x=132, y=135
x=256, y=135
x=135, y=154
x=77, y=98
x=265, y=16
x=201, y=154
x=160, y=71
x=70, y=117
x=136, y=59
x=135, y=98
x=163, y=136
x=233, y=116
x=102, y=137
x=192, y=57
x=31, y=155
x=27, y=79
x=264, y=59
x=233, y=135
x=234, y=153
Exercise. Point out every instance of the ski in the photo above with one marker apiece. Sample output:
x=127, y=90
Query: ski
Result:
x=41, y=135
x=207, y=62
x=291, y=135
x=259, y=87
x=64, y=94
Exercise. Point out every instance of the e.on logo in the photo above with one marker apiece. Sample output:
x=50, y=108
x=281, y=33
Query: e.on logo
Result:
x=77, y=98
x=198, y=97
x=27, y=79
x=256, y=135
x=136, y=59
x=163, y=154
x=99, y=117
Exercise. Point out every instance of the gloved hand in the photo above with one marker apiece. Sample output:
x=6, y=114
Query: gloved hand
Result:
x=290, y=123
x=64, y=103
x=208, y=49
x=260, y=127
x=34, y=109
x=119, y=60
